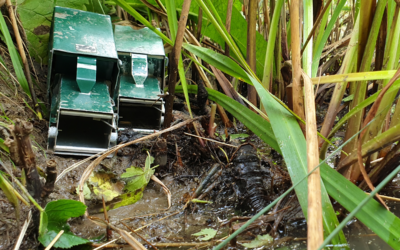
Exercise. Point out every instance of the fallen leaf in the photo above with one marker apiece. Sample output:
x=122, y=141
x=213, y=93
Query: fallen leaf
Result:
x=208, y=232
x=259, y=241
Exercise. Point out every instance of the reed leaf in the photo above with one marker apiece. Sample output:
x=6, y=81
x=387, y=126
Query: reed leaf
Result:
x=172, y=19
x=223, y=63
x=15, y=58
x=292, y=143
x=9, y=192
x=353, y=77
x=308, y=23
x=268, y=66
x=384, y=223
x=321, y=45
x=393, y=89
x=251, y=120
x=143, y=20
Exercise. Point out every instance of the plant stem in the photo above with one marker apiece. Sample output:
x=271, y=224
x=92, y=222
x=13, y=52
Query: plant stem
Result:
x=298, y=106
x=176, y=53
x=23, y=57
x=315, y=233
x=251, y=48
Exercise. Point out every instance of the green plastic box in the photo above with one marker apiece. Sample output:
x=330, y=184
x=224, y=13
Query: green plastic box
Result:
x=82, y=80
x=143, y=62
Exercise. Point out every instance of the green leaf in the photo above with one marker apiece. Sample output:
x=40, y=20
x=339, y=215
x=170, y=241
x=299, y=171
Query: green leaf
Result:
x=36, y=18
x=132, y=171
x=200, y=201
x=292, y=143
x=394, y=88
x=15, y=57
x=43, y=222
x=136, y=183
x=208, y=232
x=172, y=19
x=236, y=32
x=3, y=146
x=126, y=199
x=58, y=212
x=251, y=120
x=8, y=191
x=321, y=45
x=259, y=241
x=86, y=191
x=385, y=224
x=349, y=98
x=223, y=63
x=182, y=76
x=235, y=136
x=137, y=177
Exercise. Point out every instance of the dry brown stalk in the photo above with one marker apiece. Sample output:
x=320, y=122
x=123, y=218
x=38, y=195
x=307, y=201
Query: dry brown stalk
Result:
x=251, y=48
x=23, y=57
x=371, y=114
x=176, y=53
x=133, y=231
x=315, y=233
x=297, y=90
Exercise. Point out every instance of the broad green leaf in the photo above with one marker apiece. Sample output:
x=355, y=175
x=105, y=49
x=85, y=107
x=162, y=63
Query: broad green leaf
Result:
x=136, y=183
x=259, y=241
x=132, y=171
x=58, y=212
x=251, y=120
x=126, y=199
x=36, y=17
x=208, y=233
x=137, y=178
x=15, y=58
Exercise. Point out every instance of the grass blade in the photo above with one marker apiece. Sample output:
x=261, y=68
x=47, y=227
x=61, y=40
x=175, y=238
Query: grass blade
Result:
x=293, y=146
x=318, y=52
x=19, y=72
x=143, y=20
x=360, y=205
x=223, y=63
x=251, y=120
x=385, y=224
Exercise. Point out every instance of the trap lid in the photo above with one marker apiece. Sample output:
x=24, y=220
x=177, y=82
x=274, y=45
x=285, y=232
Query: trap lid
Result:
x=82, y=32
x=143, y=41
